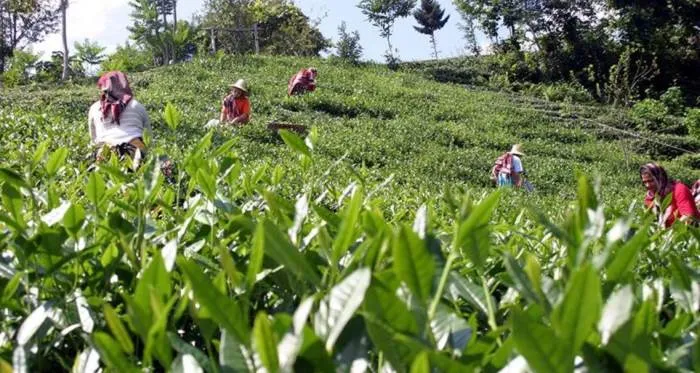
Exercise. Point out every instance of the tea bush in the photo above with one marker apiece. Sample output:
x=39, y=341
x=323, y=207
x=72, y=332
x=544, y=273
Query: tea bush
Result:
x=692, y=122
x=650, y=114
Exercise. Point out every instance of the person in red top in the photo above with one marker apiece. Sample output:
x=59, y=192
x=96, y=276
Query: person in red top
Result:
x=235, y=108
x=302, y=82
x=682, y=206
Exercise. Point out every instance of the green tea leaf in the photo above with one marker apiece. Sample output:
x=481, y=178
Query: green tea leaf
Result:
x=207, y=183
x=186, y=349
x=13, y=178
x=421, y=364
x=521, y=280
x=11, y=288
x=339, y=306
x=222, y=309
x=543, y=350
x=579, y=310
x=256, y=256
x=413, y=263
x=172, y=116
x=461, y=286
x=56, y=161
x=111, y=353
x=73, y=218
x=295, y=142
x=117, y=328
x=616, y=312
x=233, y=356
x=625, y=257
x=186, y=364
x=96, y=188
x=265, y=342
x=473, y=234
x=279, y=249
x=348, y=227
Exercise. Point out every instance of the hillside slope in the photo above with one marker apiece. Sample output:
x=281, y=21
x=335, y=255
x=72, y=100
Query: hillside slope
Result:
x=429, y=135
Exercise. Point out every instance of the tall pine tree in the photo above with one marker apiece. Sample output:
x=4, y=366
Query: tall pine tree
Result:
x=431, y=17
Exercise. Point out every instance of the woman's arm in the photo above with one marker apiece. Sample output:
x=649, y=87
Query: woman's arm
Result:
x=517, y=180
x=145, y=120
x=241, y=119
x=91, y=126
x=685, y=203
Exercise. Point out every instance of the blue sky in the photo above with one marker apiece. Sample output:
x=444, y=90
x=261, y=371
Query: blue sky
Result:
x=106, y=22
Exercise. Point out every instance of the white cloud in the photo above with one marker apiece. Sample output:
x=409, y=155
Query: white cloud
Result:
x=98, y=20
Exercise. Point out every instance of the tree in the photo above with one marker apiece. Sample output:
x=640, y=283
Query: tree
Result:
x=89, y=53
x=52, y=70
x=668, y=31
x=19, y=67
x=383, y=14
x=64, y=9
x=147, y=28
x=128, y=58
x=348, y=46
x=24, y=22
x=472, y=45
x=431, y=17
x=282, y=27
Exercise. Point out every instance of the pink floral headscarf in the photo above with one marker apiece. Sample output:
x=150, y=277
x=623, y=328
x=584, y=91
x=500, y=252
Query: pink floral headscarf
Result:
x=115, y=94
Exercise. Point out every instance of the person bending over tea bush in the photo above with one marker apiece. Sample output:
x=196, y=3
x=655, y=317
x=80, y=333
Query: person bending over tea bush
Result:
x=508, y=169
x=302, y=82
x=681, y=206
x=235, y=109
x=117, y=121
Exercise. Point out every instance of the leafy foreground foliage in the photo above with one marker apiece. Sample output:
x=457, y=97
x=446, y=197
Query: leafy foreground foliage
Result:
x=242, y=279
x=261, y=256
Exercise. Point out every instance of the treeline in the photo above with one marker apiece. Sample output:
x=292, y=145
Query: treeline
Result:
x=156, y=36
x=619, y=50
x=614, y=51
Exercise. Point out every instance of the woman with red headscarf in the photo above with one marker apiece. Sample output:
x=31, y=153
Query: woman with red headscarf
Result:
x=302, y=82
x=681, y=207
x=117, y=120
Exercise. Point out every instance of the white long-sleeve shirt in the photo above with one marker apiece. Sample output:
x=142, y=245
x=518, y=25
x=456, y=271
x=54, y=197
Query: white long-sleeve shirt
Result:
x=133, y=121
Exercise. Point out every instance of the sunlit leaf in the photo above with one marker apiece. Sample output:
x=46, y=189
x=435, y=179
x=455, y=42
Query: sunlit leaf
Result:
x=413, y=263
x=336, y=309
x=265, y=342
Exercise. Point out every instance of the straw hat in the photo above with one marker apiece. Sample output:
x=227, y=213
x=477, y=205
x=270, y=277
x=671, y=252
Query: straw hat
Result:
x=240, y=84
x=517, y=149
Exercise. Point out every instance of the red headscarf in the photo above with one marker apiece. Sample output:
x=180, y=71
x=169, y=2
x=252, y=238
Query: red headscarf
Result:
x=115, y=95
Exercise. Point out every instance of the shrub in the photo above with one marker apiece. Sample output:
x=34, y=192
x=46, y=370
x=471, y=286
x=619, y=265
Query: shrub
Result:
x=692, y=122
x=673, y=99
x=649, y=114
x=568, y=92
x=18, y=72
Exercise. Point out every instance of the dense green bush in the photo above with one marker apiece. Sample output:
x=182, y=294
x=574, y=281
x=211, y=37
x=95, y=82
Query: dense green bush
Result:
x=650, y=114
x=692, y=122
x=674, y=101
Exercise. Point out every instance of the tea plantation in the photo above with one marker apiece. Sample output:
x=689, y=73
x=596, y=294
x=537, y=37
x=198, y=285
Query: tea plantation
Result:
x=374, y=243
